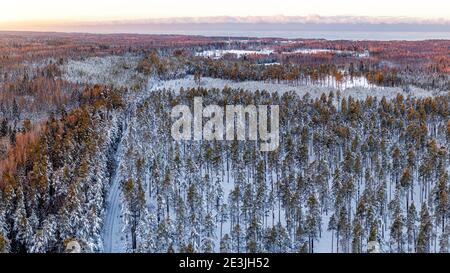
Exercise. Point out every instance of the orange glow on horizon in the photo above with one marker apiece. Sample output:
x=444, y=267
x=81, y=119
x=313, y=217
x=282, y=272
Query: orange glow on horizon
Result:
x=37, y=15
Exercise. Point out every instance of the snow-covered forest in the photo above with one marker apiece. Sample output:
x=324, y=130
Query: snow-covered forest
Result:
x=87, y=153
x=347, y=172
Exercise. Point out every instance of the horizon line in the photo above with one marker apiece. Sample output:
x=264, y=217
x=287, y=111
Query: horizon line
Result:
x=226, y=19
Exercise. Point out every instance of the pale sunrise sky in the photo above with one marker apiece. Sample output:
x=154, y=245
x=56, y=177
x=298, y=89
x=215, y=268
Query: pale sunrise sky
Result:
x=19, y=11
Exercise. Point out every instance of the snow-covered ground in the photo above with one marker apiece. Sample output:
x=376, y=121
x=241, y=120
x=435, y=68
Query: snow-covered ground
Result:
x=114, y=239
x=364, y=54
x=356, y=89
x=219, y=53
x=119, y=71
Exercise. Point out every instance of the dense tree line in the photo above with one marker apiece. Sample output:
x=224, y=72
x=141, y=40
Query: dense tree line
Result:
x=53, y=183
x=317, y=72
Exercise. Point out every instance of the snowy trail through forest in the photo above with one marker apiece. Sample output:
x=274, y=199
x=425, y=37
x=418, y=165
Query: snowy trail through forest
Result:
x=114, y=241
x=112, y=228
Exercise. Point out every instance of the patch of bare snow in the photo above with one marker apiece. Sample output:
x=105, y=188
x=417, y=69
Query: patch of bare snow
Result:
x=219, y=53
x=364, y=54
x=119, y=71
x=301, y=90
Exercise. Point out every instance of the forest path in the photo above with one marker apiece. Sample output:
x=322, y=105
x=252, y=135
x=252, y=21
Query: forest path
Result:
x=114, y=240
x=113, y=227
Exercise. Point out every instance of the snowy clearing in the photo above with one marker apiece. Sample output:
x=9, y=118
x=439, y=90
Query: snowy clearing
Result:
x=217, y=54
x=118, y=71
x=364, y=54
x=314, y=91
